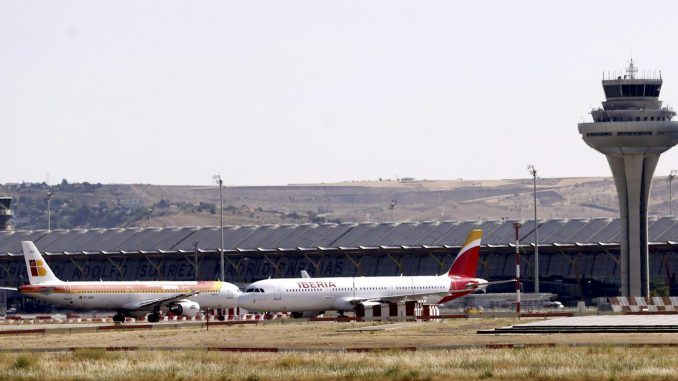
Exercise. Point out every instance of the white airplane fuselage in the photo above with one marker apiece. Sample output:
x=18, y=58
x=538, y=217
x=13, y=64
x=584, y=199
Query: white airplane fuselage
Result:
x=124, y=295
x=342, y=293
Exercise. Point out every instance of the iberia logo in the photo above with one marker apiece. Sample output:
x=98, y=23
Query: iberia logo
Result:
x=37, y=268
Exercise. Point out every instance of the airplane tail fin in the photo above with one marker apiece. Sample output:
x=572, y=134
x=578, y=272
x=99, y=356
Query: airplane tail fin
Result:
x=38, y=270
x=466, y=262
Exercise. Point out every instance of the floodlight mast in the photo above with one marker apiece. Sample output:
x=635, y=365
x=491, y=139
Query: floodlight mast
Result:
x=49, y=210
x=150, y=211
x=220, y=182
x=533, y=172
x=195, y=259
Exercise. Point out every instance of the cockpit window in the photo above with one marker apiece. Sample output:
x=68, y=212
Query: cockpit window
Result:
x=261, y=290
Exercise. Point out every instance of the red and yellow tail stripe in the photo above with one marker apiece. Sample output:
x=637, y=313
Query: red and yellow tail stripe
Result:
x=466, y=262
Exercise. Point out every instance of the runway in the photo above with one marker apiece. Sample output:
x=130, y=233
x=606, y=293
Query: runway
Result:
x=595, y=324
x=293, y=335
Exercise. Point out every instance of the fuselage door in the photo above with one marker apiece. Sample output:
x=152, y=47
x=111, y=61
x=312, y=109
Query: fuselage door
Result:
x=277, y=295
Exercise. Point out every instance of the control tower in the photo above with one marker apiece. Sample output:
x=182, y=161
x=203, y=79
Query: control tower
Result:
x=632, y=129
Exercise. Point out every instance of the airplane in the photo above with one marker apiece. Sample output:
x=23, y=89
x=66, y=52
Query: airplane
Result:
x=310, y=297
x=135, y=299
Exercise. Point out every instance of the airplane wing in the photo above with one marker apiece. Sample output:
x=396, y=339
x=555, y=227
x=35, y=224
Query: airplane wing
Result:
x=369, y=302
x=9, y=288
x=411, y=295
x=363, y=301
x=146, y=304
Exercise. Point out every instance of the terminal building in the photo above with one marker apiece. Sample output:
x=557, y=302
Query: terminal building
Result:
x=579, y=258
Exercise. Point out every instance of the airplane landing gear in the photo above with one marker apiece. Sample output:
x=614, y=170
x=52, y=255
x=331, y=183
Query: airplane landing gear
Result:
x=118, y=318
x=153, y=318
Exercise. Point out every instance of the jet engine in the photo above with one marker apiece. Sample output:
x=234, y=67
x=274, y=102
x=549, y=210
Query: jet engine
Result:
x=185, y=308
x=306, y=314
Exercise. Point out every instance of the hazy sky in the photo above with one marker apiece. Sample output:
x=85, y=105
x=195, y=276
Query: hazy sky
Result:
x=288, y=92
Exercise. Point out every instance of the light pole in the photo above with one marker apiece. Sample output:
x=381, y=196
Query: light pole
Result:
x=220, y=182
x=150, y=210
x=392, y=206
x=533, y=172
x=195, y=259
x=49, y=210
x=672, y=174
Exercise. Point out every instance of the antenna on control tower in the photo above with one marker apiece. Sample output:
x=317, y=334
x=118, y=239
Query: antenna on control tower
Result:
x=631, y=70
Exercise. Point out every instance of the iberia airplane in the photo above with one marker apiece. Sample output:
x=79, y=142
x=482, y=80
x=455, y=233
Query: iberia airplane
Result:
x=309, y=297
x=127, y=298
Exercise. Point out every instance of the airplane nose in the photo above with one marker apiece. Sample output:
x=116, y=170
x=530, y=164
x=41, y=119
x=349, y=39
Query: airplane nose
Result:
x=244, y=300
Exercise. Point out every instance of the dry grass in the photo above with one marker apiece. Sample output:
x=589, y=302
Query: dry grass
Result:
x=592, y=363
x=193, y=362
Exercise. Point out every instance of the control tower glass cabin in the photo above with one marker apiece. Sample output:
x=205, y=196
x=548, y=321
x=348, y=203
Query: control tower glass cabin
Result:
x=632, y=129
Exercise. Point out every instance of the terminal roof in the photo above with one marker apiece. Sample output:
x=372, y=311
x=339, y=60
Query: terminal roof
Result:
x=345, y=236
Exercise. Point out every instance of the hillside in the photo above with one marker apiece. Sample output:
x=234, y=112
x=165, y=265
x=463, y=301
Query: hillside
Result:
x=85, y=205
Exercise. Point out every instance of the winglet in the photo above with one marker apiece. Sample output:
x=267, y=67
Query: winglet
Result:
x=466, y=262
